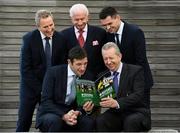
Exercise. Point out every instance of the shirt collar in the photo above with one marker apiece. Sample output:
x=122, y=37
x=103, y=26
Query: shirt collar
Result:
x=43, y=36
x=119, y=69
x=70, y=72
x=120, y=30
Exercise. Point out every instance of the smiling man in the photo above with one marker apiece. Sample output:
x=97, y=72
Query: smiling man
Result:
x=41, y=48
x=90, y=37
x=58, y=110
x=131, y=42
x=127, y=112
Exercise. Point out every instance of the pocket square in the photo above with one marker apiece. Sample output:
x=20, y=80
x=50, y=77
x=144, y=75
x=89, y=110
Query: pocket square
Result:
x=94, y=43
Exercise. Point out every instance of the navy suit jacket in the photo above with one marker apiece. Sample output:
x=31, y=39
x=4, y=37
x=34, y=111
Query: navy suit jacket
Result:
x=96, y=38
x=33, y=63
x=130, y=95
x=133, y=49
x=54, y=93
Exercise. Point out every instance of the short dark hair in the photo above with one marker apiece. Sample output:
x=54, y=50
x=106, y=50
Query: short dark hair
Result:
x=77, y=53
x=107, y=11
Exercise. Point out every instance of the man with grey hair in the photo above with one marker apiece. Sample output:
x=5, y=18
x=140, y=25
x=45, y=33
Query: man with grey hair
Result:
x=90, y=37
x=127, y=112
x=41, y=49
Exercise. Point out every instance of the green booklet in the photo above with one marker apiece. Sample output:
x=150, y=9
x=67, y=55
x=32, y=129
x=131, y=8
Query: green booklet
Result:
x=87, y=90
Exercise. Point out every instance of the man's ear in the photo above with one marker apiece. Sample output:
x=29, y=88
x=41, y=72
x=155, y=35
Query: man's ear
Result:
x=118, y=16
x=120, y=55
x=69, y=61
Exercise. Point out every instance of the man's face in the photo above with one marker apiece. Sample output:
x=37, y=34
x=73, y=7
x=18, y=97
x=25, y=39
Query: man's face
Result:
x=79, y=20
x=46, y=26
x=111, y=24
x=111, y=59
x=78, y=66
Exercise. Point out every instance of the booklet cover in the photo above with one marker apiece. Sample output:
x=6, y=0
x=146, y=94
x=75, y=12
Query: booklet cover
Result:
x=87, y=90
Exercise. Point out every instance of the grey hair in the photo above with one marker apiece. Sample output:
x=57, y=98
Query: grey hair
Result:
x=78, y=7
x=109, y=45
x=42, y=14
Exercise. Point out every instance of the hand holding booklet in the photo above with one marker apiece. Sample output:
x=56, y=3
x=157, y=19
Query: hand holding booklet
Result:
x=94, y=91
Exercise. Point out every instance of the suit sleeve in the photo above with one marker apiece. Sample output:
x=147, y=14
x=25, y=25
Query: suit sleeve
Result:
x=140, y=48
x=47, y=99
x=28, y=76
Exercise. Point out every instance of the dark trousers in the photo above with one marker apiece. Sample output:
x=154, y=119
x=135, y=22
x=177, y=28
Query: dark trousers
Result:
x=25, y=114
x=54, y=123
x=111, y=121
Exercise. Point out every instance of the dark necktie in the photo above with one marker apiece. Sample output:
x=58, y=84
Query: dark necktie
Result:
x=117, y=39
x=48, y=52
x=72, y=94
x=115, y=81
x=81, y=38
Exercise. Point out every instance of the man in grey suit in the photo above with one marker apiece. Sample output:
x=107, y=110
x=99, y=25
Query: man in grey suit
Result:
x=41, y=48
x=58, y=111
x=127, y=112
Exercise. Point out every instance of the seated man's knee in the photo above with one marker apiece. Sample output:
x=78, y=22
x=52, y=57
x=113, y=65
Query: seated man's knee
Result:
x=50, y=122
x=133, y=123
x=100, y=125
x=86, y=123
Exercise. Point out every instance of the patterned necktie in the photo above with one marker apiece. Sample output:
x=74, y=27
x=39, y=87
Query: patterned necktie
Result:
x=115, y=81
x=117, y=39
x=72, y=94
x=47, y=52
x=81, y=38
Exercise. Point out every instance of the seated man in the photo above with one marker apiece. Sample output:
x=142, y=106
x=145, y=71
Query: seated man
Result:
x=127, y=112
x=58, y=110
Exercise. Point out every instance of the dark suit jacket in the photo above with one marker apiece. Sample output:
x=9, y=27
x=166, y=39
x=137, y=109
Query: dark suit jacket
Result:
x=130, y=97
x=131, y=89
x=95, y=36
x=54, y=92
x=133, y=49
x=33, y=64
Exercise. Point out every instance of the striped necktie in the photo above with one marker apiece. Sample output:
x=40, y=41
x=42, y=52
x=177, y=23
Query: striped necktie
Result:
x=72, y=94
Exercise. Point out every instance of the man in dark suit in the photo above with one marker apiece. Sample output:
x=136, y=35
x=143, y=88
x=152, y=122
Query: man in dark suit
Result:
x=87, y=36
x=127, y=112
x=34, y=63
x=56, y=113
x=131, y=42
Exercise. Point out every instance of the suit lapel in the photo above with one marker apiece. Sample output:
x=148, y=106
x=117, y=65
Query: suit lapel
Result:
x=54, y=44
x=39, y=43
x=63, y=90
x=89, y=36
x=125, y=37
x=73, y=38
x=123, y=79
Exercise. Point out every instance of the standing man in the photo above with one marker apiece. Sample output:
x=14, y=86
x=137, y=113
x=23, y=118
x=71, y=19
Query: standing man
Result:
x=91, y=38
x=58, y=110
x=127, y=112
x=41, y=48
x=131, y=42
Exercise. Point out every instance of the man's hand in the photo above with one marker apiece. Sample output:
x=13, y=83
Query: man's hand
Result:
x=88, y=106
x=108, y=102
x=71, y=117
